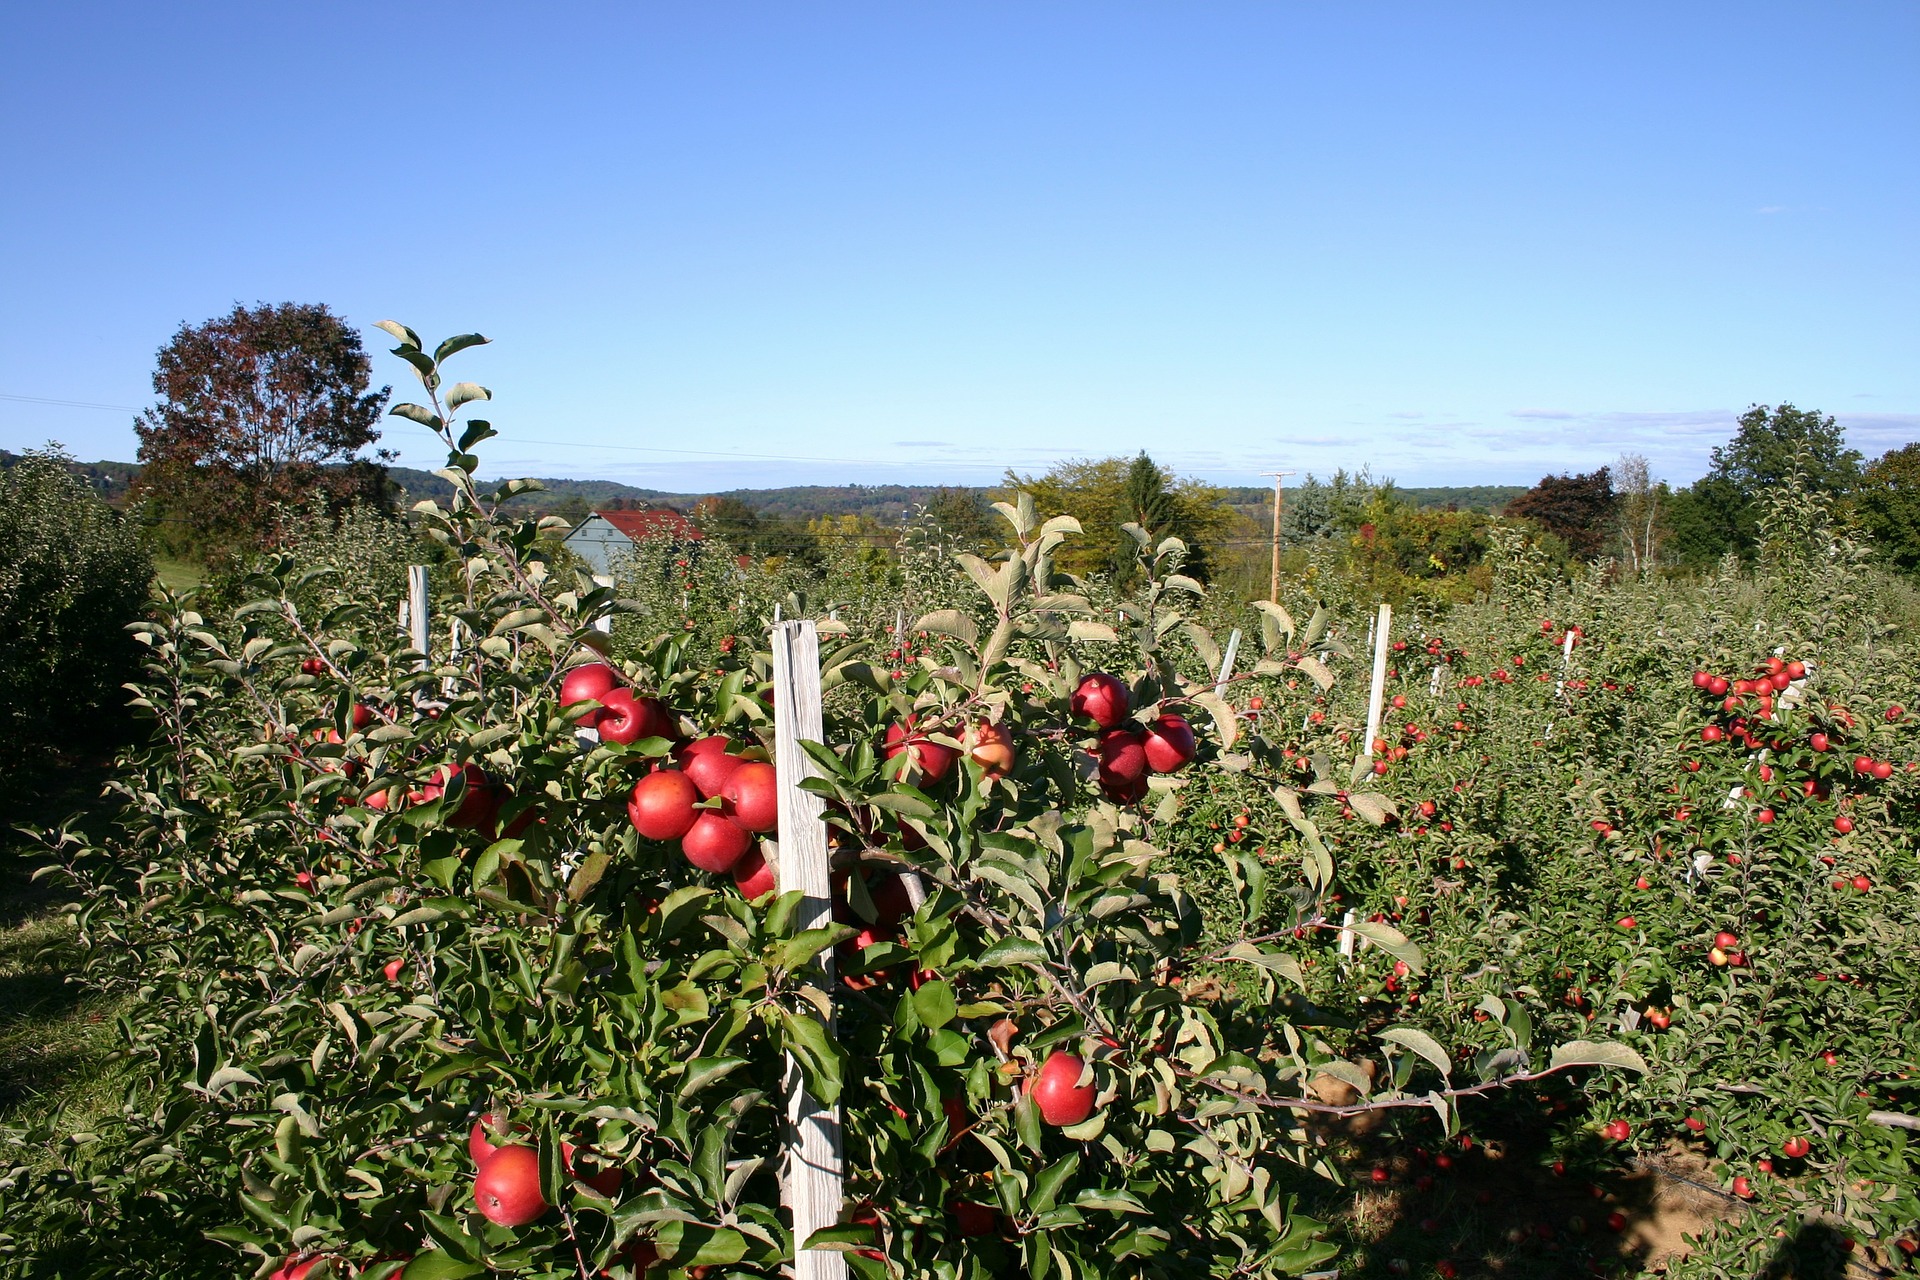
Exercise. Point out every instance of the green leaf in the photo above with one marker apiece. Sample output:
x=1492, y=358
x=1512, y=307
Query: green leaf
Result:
x=400, y=332
x=950, y=622
x=702, y=1072
x=1421, y=1043
x=466, y=393
x=1391, y=941
x=438, y=1264
x=935, y=1004
x=459, y=342
x=1010, y=953
x=417, y=413
x=1587, y=1053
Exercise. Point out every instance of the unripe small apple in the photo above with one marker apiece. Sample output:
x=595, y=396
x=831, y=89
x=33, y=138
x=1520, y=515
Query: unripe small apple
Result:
x=990, y=746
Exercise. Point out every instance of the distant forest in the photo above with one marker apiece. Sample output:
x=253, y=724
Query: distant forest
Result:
x=885, y=503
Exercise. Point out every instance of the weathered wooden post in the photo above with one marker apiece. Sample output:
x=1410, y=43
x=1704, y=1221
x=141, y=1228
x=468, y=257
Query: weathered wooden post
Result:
x=417, y=619
x=1226, y=664
x=1382, y=630
x=812, y=1172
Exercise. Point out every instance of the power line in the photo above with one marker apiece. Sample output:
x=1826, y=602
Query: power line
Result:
x=638, y=448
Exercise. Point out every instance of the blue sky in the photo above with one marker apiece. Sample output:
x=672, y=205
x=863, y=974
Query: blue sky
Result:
x=729, y=244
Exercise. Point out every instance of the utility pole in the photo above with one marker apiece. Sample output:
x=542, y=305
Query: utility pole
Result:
x=1273, y=588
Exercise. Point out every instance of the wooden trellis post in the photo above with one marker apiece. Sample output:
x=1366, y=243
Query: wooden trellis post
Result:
x=812, y=1172
x=1382, y=629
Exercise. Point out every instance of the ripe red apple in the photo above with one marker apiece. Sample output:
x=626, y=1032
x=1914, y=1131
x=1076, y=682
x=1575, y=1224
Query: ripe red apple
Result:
x=507, y=1187
x=392, y=968
x=1696, y=1124
x=363, y=715
x=752, y=876
x=1843, y=824
x=605, y=1180
x=715, y=842
x=296, y=1267
x=1712, y=733
x=706, y=762
x=1819, y=742
x=661, y=807
x=628, y=719
x=1057, y=1090
x=1863, y=764
x=927, y=761
x=1718, y=686
x=990, y=746
x=1862, y=883
x=587, y=683
x=493, y=1125
x=1123, y=756
x=1883, y=769
x=1796, y=1147
x=1743, y=1187
x=477, y=807
x=1725, y=941
x=1628, y=922
x=1102, y=699
x=1617, y=1131
x=751, y=796
x=971, y=1219
x=1170, y=744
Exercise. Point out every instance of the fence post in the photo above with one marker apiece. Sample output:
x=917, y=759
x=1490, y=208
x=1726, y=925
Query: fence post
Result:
x=812, y=1172
x=417, y=619
x=1382, y=628
x=1226, y=664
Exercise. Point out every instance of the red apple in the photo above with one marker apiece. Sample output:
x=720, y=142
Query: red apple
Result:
x=1743, y=1187
x=661, y=807
x=493, y=1125
x=1102, y=699
x=706, y=762
x=363, y=715
x=296, y=1267
x=990, y=746
x=752, y=875
x=628, y=719
x=751, y=796
x=507, y=1188
x=1725, y=941
x=587, y=683
x=1123, y=757
x=477, y=807
x=715, y=842
x=1796, y=1147
x=1057, y=1090
x=927, y=760
x=392, y=968
x=1170, y=744
x=605, y=1180
x=971, y=1219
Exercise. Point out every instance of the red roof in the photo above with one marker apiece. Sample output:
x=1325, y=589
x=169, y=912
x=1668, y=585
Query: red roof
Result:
x=658, y=523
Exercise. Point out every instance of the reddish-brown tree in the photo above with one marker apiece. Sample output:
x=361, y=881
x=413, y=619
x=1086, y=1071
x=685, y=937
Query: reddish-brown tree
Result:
x=259, y=409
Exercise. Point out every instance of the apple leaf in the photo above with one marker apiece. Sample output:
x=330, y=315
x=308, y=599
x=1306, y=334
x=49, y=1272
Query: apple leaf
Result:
x=1588, y=1053
x=1421, y=1043
x=1391, y=941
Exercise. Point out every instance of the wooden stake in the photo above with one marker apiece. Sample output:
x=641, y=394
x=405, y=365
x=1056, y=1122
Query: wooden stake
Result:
x=417, y=610
x=1382, y=629
x=1226, y=664
x=1273, y=585
x=812, y=1172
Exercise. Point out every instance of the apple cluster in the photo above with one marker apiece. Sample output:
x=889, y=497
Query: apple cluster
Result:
x=1126, y=753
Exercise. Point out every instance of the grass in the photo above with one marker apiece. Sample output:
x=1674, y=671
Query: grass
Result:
x=178, y=575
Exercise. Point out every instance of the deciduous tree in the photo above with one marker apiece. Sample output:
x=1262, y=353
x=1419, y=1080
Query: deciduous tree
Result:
x=1579, y=510
x=264, y=407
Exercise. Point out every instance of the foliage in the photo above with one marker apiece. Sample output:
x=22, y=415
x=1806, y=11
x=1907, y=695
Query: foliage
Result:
x=73, y=576
x=1720, y=512
x=364, y=895
x=1572, y=833
x=1106, y=493
x=1887, y=503
x=1579, y=510
x=261, y=409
